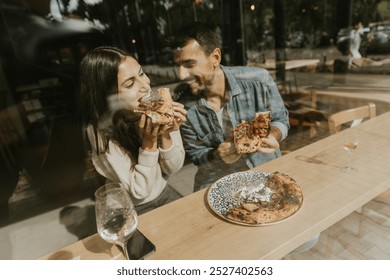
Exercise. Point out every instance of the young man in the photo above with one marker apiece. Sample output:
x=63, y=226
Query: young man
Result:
x=356, y=39
x=225, y=96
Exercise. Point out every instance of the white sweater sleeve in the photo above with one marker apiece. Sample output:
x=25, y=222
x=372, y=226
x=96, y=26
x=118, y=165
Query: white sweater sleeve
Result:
x=144, y=181
x=172, y=159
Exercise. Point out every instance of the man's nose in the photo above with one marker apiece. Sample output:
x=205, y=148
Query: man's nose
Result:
x=183, y=73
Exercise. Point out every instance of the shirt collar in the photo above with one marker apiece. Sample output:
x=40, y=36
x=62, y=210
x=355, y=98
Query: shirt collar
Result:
x=232, y=84
x=231, y=80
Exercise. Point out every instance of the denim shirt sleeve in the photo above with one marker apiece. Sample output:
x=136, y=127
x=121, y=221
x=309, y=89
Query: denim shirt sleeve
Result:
x=201, y=134
x=280, y=116
x=254, y=90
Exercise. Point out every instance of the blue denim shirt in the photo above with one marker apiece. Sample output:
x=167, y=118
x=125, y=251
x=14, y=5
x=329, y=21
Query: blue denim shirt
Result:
x=251, y=90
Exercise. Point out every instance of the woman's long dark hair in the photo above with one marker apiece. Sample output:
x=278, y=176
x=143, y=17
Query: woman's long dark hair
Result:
x=99, y=80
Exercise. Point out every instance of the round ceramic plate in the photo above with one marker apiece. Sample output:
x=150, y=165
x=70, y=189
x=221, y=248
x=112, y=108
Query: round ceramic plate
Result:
x=223, y=194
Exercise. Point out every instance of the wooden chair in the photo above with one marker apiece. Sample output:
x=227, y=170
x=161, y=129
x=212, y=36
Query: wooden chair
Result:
x=336, y=122
x=350, y=117
x=304, y=112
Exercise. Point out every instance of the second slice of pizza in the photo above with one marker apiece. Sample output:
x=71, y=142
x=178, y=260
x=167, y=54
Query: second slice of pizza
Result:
x=247, y=135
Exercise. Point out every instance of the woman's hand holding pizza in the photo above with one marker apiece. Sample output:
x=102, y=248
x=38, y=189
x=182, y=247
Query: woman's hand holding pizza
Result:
x=164, y=130
x=149, y=133
x=179, y=117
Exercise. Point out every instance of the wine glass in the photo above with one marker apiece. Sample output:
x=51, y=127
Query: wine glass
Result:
x=116, y=218
x=350, y=142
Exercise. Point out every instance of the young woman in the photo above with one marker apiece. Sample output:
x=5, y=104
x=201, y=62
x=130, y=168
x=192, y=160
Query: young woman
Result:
x=126, y=146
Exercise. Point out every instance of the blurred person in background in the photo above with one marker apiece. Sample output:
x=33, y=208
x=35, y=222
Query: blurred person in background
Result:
x=356, y=39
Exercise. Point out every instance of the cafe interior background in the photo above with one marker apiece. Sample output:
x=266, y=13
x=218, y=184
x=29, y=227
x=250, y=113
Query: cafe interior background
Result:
x=47, y=181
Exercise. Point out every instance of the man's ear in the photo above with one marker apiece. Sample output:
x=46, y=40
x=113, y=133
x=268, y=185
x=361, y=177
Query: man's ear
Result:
x=216, y=57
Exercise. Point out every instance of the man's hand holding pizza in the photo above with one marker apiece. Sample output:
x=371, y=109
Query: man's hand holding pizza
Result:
x=270, y=144
x=227, y=152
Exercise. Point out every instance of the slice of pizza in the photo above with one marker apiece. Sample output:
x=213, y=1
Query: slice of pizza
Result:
x=157, y=106
x=247, y=135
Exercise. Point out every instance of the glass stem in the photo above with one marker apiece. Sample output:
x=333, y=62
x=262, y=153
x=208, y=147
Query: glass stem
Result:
x=349, y=159
x=125, y=251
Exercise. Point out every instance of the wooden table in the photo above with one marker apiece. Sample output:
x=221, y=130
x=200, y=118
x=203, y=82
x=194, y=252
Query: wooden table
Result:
x=188, y=229
x=289, y=64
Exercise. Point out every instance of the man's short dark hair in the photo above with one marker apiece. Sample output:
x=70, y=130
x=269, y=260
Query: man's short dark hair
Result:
x=207, y=35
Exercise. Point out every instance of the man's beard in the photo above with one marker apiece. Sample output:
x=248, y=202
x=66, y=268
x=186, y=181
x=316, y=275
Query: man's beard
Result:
x=197, y=85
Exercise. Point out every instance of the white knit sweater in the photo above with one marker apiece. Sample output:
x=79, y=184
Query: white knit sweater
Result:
x=148, y=179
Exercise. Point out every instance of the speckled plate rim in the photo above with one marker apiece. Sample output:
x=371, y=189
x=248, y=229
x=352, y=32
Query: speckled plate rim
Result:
x=217, y=212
